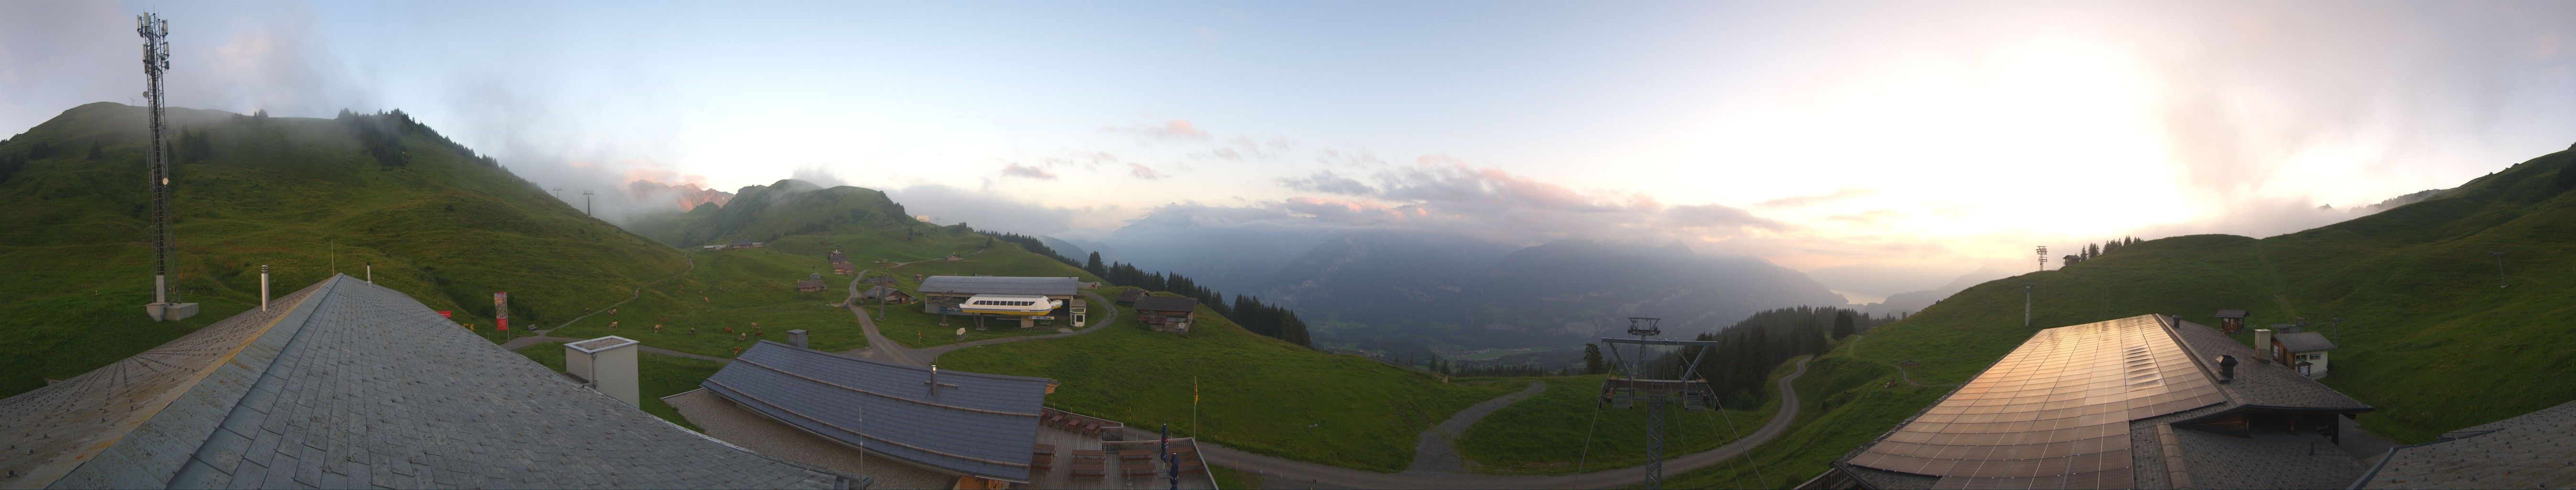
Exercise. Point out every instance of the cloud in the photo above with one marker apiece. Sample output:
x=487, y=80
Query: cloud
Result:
x=987, y=211
x=1328, y=182
x=1173, y=130
x=819, y=175
x=1803, y=201
x=1245, y=148
x=1017, y=170
x=1141, y=171
x=1441, y=194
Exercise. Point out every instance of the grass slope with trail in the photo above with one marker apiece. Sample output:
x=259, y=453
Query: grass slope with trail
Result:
x=297, y=194
x=1555, y=432
x=2429, y=338
x=1254, y=392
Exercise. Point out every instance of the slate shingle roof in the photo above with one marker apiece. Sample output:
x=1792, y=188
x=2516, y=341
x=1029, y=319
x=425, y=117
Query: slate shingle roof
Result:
x=1051, y=286
x=2534, y=450
x=1166, y=303
x=2231, y=313
x=2260, y=382
x=971, y=423
x=2304, y=341
x=351, y=385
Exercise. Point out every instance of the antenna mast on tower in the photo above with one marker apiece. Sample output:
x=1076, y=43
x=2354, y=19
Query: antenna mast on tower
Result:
x=156, y=59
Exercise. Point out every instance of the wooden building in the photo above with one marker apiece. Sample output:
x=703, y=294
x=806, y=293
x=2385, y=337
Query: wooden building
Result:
x=2304, y=352
x=844, y=267
x=811, y=286
x=1165, y=313
x=887, y=294
x=836, y=256
x=2231, y=321
x=1128, y=297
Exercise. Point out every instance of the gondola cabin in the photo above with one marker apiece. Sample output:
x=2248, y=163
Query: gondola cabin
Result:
x=1010, y=304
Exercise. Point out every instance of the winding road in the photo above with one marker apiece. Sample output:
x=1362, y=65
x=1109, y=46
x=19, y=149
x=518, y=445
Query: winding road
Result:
x=1436, y=452
x=1300, y=473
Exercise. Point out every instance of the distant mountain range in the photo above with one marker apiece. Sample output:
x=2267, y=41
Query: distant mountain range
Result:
x=1390, y=290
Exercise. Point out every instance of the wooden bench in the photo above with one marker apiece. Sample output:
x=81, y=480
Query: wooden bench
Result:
x=1089, y=470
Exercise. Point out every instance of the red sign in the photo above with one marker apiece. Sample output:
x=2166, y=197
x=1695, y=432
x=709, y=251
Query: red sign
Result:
x=446, y=313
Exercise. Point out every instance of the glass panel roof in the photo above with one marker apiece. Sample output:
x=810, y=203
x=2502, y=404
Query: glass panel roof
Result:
x=2052, y=414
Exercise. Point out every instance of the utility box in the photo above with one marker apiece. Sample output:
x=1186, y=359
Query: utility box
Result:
x=170, y=312
x=608, y=365
x=1081, y=313
x=796, y=338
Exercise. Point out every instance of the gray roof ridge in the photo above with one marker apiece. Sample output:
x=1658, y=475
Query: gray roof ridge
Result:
x=838, y=357
x=2173, y=327
x=190, y=426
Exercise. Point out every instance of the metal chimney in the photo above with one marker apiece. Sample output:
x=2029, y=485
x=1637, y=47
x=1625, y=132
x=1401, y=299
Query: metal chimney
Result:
x=796, y=338
x=2226, y=369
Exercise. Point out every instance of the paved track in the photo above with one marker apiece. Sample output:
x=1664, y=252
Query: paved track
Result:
x=1287, y=473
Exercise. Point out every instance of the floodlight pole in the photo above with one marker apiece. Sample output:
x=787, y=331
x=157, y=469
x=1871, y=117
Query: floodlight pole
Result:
x=2043, y=257
x=2337, y=330
x=585, y=203
x=2025, y=303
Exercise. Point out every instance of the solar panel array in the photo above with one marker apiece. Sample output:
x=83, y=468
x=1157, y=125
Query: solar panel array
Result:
x=2053, y=414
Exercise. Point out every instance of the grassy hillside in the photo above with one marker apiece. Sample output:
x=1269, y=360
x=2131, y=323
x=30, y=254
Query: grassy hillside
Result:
x=297, y=194
x=741, y=287
x=2429, y=338
x=767, y=213
x=1556, y=431
x=1256, y=393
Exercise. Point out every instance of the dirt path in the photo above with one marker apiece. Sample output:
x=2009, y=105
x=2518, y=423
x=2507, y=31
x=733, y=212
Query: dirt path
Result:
x=1287, y=473
x=1437, y=450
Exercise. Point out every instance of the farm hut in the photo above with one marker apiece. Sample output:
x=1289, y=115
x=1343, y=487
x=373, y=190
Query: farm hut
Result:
x=1165, y=313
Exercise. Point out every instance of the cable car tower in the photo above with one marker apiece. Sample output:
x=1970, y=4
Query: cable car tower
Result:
x=156, y=59
x=1626, y=390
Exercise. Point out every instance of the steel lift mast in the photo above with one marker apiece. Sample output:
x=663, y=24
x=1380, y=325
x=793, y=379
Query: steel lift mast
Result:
x=1690, y=391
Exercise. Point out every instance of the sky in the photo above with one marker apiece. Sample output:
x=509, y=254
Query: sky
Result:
x=1911, y=140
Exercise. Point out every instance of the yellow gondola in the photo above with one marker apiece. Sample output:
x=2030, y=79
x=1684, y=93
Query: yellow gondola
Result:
x=1010, y=304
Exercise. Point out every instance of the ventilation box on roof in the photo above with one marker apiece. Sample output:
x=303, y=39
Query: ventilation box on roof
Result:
x=608, y=364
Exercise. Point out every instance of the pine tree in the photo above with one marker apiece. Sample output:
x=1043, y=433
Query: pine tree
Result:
x=1592, y=359
x=1094, y=266
x=1843, y=325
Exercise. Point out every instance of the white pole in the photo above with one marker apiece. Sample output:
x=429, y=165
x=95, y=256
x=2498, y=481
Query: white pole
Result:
x=263, y=287
x=371, y=273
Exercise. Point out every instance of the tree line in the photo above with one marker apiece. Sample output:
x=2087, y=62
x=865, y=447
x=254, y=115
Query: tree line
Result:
x=2092, y=250
x=1248, y=311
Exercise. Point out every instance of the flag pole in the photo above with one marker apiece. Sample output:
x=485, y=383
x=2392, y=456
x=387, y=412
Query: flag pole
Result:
x=1194, y=406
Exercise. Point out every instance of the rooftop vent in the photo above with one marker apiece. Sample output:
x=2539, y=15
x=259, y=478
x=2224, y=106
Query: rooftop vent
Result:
x=796, y=338
x=607, y=364
x=2226, y=369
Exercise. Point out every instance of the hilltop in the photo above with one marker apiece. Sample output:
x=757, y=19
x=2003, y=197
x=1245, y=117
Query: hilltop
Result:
x=766, y=213
x=2428, y=337
x=304, y=196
